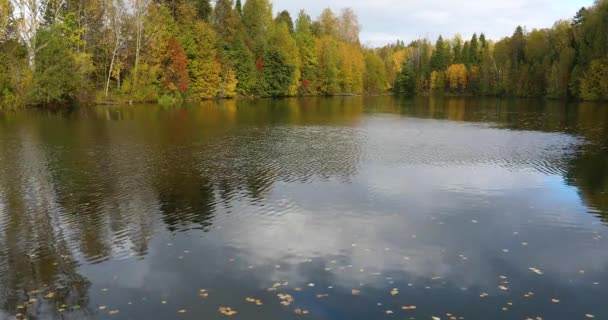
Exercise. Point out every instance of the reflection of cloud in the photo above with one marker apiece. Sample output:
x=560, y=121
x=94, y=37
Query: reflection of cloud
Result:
x=420, y=205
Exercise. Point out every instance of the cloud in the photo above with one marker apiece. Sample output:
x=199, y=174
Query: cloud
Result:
x=385, y=21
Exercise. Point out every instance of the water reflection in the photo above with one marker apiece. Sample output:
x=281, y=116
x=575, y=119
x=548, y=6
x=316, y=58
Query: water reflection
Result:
x=121, y=209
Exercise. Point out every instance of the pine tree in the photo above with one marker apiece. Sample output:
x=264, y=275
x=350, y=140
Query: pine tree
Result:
x=473, y=51
x=440, y=56
x=239, y=7
x=284, y=17
x=203, y=9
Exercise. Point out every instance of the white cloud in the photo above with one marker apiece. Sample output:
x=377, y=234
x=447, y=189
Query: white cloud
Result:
x=385, y=21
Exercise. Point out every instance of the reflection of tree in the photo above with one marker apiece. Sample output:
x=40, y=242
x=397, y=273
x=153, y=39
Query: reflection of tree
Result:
x=90, y=185
x=587, y=170
x=37, y=266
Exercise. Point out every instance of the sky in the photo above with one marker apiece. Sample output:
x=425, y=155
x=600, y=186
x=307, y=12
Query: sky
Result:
x=385, y=21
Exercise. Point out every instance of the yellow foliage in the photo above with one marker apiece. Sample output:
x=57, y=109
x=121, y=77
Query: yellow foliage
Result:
x=457, y=77
x=229, y=83
x=352, y=68
x=437, y=80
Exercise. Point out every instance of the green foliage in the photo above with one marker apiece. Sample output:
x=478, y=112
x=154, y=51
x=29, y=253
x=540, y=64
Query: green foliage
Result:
x=276, y=75
x=328, y=71
x=61, y=69
x=203, y=9
x=406, y=81
x=169, y=51
x=308, y=55
x=244, y=66
x=257, y=19
x=440, y=60
x=284, y=18
x=375, y=75
x=226, y=21
x=594, y=85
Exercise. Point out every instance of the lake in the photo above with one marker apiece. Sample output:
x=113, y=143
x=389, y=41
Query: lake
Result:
x=311, y=208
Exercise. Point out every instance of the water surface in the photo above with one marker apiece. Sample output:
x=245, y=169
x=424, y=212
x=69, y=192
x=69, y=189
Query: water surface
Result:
x=346, y=208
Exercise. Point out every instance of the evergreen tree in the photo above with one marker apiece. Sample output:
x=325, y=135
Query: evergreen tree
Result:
x=239, y=7
x=308, y=56
x=203, y=9
x=440, y=58
x=473, y=51
x=284, y=17
x=257, y=19
x=406, y=81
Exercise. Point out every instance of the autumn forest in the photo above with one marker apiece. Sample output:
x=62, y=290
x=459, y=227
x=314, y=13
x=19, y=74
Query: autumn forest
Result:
x=57, y=52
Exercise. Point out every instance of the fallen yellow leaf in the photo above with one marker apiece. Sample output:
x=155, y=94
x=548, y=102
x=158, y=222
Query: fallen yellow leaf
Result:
x=227, y=311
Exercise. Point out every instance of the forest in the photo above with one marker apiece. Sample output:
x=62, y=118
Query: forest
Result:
x=59, y=52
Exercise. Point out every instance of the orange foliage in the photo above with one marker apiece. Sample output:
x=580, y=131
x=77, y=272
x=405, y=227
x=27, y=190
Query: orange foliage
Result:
x=176, y=72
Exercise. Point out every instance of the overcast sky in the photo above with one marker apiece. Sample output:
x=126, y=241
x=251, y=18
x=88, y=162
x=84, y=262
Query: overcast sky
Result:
x=384, y=21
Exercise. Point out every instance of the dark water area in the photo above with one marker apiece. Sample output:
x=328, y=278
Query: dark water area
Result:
x=320, y=208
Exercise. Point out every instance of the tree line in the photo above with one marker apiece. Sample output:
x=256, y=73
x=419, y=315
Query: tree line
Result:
x=57, y=51
x=110, y=51
x=566, y=61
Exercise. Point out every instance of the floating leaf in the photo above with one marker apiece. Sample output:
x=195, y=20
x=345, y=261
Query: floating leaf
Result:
x=555, y=300
x=589, y=316
x=535, y=270
x=356, y=292
x=408, y=308
x=483, y=295
x=503, y=288
x=389, y=311
x=436, y=318
x=182, y=311
x=394, y=292
x=287, y=299
x=50, y=295
x=227, y=311
x=111, y=312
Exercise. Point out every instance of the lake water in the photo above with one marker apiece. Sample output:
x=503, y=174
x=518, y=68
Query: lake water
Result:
x=338, y=208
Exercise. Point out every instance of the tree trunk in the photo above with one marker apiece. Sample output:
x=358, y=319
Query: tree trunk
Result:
x=112, y=65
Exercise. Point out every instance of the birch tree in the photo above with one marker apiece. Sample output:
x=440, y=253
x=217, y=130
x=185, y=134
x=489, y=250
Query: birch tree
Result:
x=115, y=21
